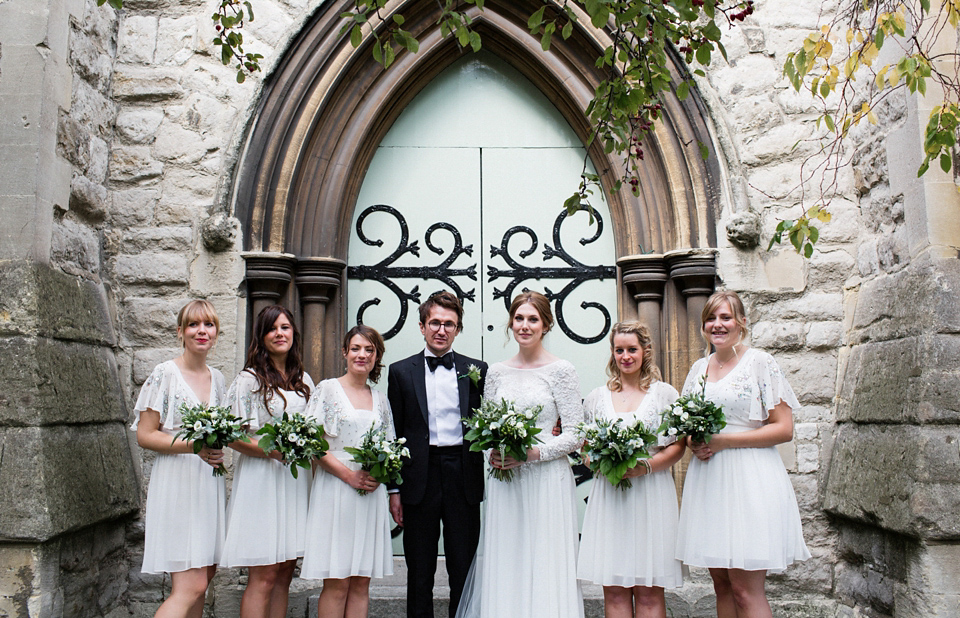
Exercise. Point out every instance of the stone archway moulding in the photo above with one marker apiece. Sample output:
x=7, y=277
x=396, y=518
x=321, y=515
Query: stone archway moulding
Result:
x=327, y=106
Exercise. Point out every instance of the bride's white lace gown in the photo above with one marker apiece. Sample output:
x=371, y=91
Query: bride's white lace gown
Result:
x=527, y=562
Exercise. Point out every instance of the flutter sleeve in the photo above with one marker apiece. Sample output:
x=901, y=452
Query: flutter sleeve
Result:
x=591, y=405
x=245, y=403
x=664, y=395
x=325, y=406
x=692, y=381
x=155, y=395
x=565, y=386
x=772, y=387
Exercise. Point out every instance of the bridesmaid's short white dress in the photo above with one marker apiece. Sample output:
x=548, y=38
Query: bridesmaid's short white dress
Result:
x=739, y=510
x=267, y=513
x=347, y=534
x=629, y=536
x=184, y=523
x=526, y=566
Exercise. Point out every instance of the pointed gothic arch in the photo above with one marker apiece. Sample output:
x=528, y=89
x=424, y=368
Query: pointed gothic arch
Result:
x=327, y=106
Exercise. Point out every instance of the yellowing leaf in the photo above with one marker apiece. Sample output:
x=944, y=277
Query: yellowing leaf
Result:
x=849, y=36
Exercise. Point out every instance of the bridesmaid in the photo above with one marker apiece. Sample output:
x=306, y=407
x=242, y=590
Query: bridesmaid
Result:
x=348, y=535
x=629, y=535
x=184, y=524
x=739, y=516
x=268, y=507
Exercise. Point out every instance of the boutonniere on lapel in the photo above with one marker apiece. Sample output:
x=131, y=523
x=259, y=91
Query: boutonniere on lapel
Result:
x=473, y=372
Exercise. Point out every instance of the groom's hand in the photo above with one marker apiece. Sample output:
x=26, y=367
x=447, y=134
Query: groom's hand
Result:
x=396, y=509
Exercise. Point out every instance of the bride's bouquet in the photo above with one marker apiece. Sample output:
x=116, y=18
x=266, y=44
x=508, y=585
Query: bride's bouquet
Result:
x=212, y=426
x=381, y=457
x=613, y=447
x=694, y=415
x=298, y=439
x=501, y=426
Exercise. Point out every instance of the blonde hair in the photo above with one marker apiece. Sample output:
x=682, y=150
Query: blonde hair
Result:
x=649, y=372
x=736, y=308
x=196, y=310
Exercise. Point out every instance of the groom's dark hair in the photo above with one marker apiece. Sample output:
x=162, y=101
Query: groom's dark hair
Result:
x=444, y=299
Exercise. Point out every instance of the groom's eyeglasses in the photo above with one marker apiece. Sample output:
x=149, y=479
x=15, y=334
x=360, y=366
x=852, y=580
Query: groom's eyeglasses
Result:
x=436, y=325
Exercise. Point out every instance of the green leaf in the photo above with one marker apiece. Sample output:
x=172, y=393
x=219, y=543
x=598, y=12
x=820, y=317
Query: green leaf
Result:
x=226, y=53
x=356, y=36
x=828, y=120
x=241, y=75
x=536, y=19
x=925, y=5
x=808, y=250
x=567, y=30
x=378, y=52
x=824, y=89
x=249, y=11
x=704, y=151
x=923, y=169
x=683, y=90
x=945, y=162
x=572, y=203
x=475, y=41
x=703, y=54
x=398, y=19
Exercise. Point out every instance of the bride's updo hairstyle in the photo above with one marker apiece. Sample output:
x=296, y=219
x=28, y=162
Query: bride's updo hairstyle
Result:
x=197, y=311
x=736, y=307
x=649, y=372
x=539, y=302
x=374, y=337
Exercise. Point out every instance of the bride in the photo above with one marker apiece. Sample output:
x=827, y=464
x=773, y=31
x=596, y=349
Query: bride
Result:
x=526, y=565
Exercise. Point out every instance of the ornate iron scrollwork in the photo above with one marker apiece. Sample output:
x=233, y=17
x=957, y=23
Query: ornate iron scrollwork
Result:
x=385, y=273
x=576, y=271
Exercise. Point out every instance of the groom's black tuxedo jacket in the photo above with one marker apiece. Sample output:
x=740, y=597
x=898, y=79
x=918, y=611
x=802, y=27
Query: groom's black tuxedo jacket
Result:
x=407, y=392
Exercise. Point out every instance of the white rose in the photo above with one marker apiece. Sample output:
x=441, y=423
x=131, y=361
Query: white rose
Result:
x=684, y=417
x=197, y=426
x=672, y=431
x=292, y=438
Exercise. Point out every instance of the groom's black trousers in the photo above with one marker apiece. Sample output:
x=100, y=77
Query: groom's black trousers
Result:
x=444, y=500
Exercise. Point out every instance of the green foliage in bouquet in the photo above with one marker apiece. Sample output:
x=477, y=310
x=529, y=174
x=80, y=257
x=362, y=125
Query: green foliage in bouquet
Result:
x=212, y=426
x=694, y=415
x=500, y=425
x=613, y=447
x=381, y=457
x=298, y=439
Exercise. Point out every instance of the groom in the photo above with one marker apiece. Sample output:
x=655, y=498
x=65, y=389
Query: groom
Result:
x=430, y=393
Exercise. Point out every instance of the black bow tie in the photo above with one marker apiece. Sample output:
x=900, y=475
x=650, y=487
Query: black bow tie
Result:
x=435, y=361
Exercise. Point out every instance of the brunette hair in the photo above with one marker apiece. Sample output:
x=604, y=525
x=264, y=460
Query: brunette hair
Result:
x=539, y=302
x=649, y=372
x=736, y=307
x=198, y=309
x=444, y=299
x=269, y=380
x=374, y=337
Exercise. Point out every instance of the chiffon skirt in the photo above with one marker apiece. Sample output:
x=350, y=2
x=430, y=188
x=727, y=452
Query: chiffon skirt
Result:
x=526, y=566
x=185, y=516
x=347, y=534
x=739, y=512
x=629, y=536
x=267, y=514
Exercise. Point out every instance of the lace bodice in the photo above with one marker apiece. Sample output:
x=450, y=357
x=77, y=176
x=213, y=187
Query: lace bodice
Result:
x=748, y=393
x=599, y=403
x=344, y=425
x=166, y=389
x=555, y=387
x=248, y=404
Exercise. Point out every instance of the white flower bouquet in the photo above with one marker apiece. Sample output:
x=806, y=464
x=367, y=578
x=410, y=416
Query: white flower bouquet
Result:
x=613, y=447
x=381, y=457
x=298, y=439
x=211, y=426
x=694, y=415
x=501, y=426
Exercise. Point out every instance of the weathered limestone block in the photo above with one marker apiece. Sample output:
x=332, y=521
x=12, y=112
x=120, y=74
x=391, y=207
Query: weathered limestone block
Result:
x=151, y=269
x=88, y=199
x=139, y=125
x=821, y=335
x=934, y=582
x=150, y=322
x=813, y=375
x=177, y=39
x=911, y=380
x=174, y=143
x=777, y=335
x=62, y=478
x=58, y=382
x=92, y=109
x=884, y=311
x=152, y=239
x=133, y=163
x=133, y=83
x=132, y=207
x=137, y=40
x=873, y=568
x=75, y=248
x=828, y=271
x=903, y=478
x=813, y=306
x=145, y=360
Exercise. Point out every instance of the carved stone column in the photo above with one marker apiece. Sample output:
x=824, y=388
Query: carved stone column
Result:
x=268, y=276
x=317, y=281
x=645, y=276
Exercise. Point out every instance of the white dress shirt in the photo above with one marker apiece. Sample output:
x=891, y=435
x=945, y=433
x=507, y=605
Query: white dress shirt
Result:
x=443, y=405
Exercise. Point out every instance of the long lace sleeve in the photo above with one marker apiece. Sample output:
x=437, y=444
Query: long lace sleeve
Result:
x=565, y=387
x=386, y=415
x=491, y=383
